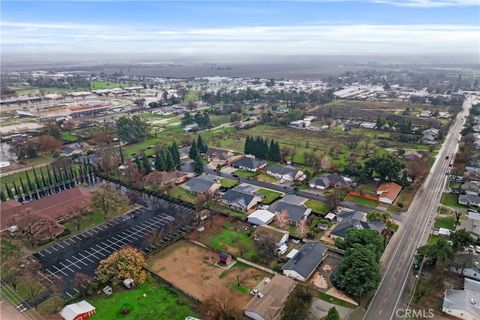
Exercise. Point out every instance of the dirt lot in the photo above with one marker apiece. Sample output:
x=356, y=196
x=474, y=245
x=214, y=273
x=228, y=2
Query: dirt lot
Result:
x=191, y=268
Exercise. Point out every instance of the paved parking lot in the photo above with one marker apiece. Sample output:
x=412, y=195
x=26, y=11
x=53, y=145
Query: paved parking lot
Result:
x=82, y=253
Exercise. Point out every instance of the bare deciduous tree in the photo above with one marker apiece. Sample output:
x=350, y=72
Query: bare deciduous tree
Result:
x=282, y=219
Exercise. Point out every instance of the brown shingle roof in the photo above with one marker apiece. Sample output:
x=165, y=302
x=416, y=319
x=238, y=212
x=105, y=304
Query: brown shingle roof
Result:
x=275, y=293
x=56, y=206
x=389, y=190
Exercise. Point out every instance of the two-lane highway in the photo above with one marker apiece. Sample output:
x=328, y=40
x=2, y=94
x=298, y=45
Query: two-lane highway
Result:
x=421, y=216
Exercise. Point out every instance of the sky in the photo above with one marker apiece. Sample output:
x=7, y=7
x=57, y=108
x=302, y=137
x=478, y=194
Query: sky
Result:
x=205, y=28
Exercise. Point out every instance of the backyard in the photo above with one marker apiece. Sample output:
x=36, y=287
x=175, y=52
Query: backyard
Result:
x=193, y=269
x=151, y=300
x=270, y=195
x=317, y=206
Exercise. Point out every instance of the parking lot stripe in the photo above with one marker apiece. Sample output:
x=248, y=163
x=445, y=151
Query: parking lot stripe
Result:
x=84, y=257
x=47, y=251
x=60, y=270
x=64, y=266
x=60, y=245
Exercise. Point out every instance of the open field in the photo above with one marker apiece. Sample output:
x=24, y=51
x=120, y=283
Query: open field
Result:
x=151, y=300
x=96, y=85
x=336, y=144
x=192, y=269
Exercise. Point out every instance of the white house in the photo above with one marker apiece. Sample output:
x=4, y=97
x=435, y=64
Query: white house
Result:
x=287, y=173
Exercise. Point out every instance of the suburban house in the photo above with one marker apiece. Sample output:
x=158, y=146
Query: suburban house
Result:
x=56, y=207
x=165, y=178
x=305, y=261
x=268, y=303
x=249, y=163
x=261, y=217
x=286, y=173
x=469, y=200
x=220, y=156
x=463, y=304
x=328, y=180
x=78, y=311
x=295, y=212
x=241, y=200
x=351, y=214
x=387, y=192
x=340, y=230
x=278, y=235
x=472, y=224
x=201, y=184
x=471, y=188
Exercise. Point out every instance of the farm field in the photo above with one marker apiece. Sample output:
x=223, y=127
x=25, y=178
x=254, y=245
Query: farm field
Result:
x=192, y=269
x=152, y=300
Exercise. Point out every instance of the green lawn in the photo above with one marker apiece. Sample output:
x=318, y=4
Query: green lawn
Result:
x=317, y=206
x=228, y=183
x=152, y=300
x=270, y=195
x=96, y=85
x=245, y=173
x=217, y=120
x=8, y=249
x=88, y=222
x=69, y=136
x=451, y=200
x=22, y=175
x=37, y=160
x=182, y=194
x=266, y=178
x=231, y=241
x=362, y=201
x=334, y=300
x=448, y=223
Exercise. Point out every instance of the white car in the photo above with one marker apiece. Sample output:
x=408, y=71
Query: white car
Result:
x=477, y=249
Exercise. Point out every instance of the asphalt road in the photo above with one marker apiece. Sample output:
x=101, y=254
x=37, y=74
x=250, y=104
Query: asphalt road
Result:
x=387, y=302
x=288, y=189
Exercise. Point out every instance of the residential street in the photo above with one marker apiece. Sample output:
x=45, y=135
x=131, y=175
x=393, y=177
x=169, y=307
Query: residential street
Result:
x=415, y=231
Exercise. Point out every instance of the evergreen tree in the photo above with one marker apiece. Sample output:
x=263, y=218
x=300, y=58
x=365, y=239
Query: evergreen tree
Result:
x=193, y=151
x=138, y=162
x=271, y=150
x=24, y=189
x=198, y=168
x=169, y=164
x=17, y=192
x=176, y=155
x=160, y=161
x=332, y=314
x=403, y=179
x=146, y=164
x=202, y=146
x=276, y=153
x=30, y=185
x=2, y=196
x=9, y=191
x=44, y=181
x=37, y=180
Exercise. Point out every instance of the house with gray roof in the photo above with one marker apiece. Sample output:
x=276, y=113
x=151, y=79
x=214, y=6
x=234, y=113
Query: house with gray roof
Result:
x=295, y=212
x=240, y=200
x=340, y=230
x=328, y=180
x=249, y=163
x=201, y=185
x=469, y=200
x=305, y=261
x=463, y=304
x=287, y=173
x=471, y=188
x=472, y=224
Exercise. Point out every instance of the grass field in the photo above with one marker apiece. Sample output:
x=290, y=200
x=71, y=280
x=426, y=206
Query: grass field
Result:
x=88, y=222
x=96, y=85
x=245, y=173
x=333, y=143
x=451, y=200
x=448, y=223
x=317, y=206
x=22, y=175
x=69, y=137
x=152, y=300
x=266, y=178
x=362, y=201
x=8, y=249
x=182, y=194
x=234, y=242
x=270, y=195
x=228, y=183
x=217, y=120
